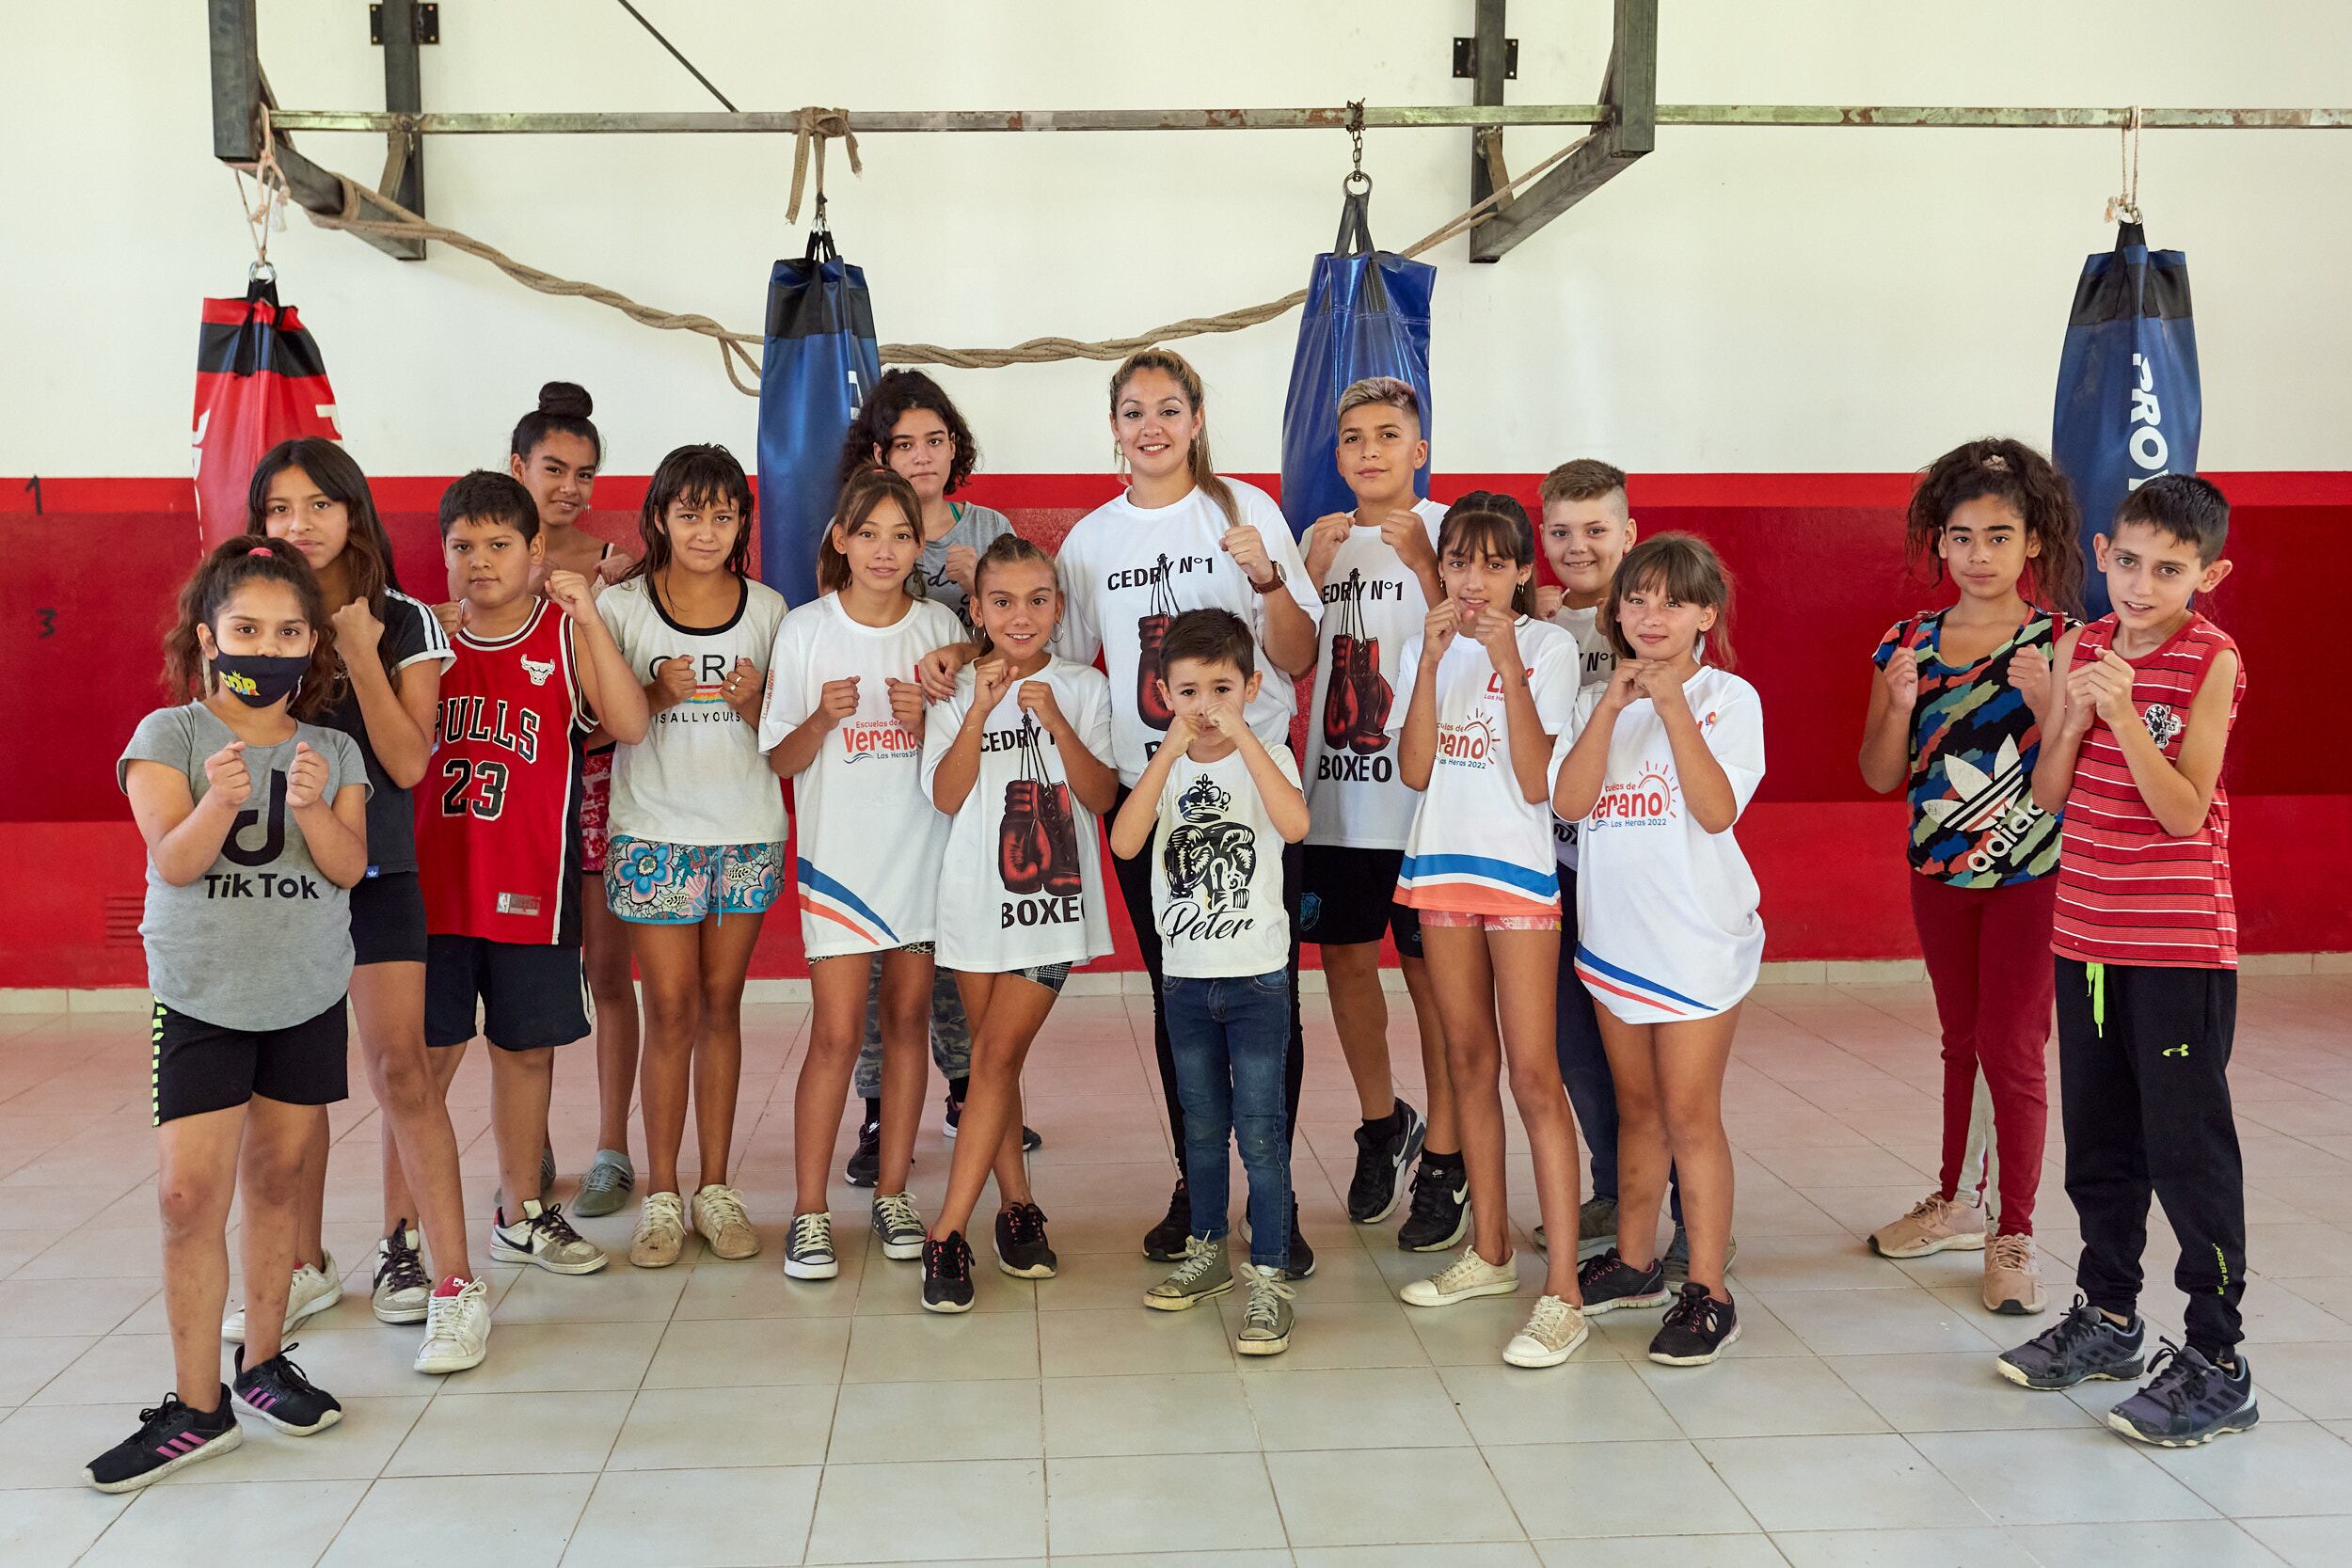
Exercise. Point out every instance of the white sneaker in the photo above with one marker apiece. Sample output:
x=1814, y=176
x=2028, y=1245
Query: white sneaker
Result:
x=1550, y=1337
x=661, y=1231
x=720, y=1220
x=456, y=1330
x=1466, y=1277
x=545, y=1237
x=310, y=1292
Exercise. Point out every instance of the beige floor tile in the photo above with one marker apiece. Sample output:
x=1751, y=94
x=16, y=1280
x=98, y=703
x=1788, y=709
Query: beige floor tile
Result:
x=725, y=1353
x=1602, y=1488
x=1148, y=1413
x=972, y=1509
x=697, y=1429
x=1359, y=1407
x=726, y=1518
x=877, y=1423
x=1358, y=1497
x=1145, y=1504
x=408, y=1520
x=274, y=1524
x=487, y=1435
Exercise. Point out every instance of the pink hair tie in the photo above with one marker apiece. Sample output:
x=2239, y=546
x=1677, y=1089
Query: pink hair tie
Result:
x=259, y=549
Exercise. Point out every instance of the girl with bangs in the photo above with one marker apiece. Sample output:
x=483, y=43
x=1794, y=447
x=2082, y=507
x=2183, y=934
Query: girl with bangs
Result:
x=696, y=856
x=1655, y=772
x=1491, y=684
x=391, y=649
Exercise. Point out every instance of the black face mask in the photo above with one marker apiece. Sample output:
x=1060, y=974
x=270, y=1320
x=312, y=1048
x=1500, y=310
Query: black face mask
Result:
x=259, y=680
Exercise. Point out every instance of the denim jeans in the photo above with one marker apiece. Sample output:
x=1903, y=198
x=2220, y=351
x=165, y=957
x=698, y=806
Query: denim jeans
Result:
x=1584, y=1062
x=1230, y=1037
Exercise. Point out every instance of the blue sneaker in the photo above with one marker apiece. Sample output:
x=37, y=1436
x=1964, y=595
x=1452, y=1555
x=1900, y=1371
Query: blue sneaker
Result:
x=2077, y=1348
x=2187, y=1401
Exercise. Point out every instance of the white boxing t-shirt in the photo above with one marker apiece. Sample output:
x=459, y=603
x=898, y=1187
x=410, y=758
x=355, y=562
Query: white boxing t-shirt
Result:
x=1217, y=871
x=1021, y=883
x=1597, y=660
x=1478, y=845
x=1373, y=605
x=1666, y=912
x=869, y=837
x=1126, y=572
x=698, y=776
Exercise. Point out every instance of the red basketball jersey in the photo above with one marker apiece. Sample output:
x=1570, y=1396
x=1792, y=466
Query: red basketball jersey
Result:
x=498, y=815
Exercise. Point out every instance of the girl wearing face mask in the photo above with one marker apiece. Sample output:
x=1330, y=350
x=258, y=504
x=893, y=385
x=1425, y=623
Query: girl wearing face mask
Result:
x=1182, y=538
x=311, y=495
x=556, y=452
x=255, y=817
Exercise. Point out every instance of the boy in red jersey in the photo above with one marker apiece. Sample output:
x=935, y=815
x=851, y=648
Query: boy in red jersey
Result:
x=2146, y=938
x=498, y=833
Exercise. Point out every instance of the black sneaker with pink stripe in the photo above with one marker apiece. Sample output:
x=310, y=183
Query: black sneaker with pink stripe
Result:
x=170, y=1436
x=278, y=1393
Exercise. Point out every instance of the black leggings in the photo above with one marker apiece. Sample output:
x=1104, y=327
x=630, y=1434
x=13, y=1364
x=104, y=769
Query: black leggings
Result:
x=1134, y=886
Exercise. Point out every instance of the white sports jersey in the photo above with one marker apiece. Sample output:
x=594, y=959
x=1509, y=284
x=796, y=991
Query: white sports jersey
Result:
x=1597, y=660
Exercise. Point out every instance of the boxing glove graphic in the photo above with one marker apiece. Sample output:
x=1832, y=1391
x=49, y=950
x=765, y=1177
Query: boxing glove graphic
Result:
x=1373, y=699
x=1064, y=877
x=1024, y=849
x=1339, y=694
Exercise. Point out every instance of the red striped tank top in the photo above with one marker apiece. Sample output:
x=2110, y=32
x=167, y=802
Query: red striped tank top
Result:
x=2128, y=892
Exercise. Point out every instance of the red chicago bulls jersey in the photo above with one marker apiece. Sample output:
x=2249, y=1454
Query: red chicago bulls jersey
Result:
x=498, y=815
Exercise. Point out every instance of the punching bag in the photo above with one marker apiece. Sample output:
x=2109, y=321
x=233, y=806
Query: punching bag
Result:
x=2129, y=407
x=815, y=372
x=1367, y=314
x=259, y=381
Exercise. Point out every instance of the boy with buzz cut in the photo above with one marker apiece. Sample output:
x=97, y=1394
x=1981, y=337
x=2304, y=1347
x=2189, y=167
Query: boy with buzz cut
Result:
x=1376, y=568
x=2146, y=943
x=498, y=833
x=1222, y=804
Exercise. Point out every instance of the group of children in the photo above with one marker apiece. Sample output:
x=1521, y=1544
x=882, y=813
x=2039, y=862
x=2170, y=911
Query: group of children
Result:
x=1532, y=789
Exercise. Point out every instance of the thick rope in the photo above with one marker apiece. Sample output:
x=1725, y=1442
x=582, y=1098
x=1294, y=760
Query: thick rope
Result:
x=735, y=348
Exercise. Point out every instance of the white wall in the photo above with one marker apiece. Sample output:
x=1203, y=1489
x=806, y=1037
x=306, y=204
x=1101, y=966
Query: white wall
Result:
x=1741, y=300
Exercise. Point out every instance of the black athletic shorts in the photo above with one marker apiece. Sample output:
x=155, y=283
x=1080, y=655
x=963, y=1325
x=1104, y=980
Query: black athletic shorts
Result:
x=387, y=919
x=1350, y=897
x=531, y=996
x=198, y=1066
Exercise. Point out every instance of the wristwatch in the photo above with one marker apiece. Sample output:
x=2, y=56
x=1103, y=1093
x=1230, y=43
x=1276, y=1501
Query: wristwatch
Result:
x=1269, y=587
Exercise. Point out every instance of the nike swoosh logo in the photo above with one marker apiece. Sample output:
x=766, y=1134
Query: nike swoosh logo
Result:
x=1461, y=1193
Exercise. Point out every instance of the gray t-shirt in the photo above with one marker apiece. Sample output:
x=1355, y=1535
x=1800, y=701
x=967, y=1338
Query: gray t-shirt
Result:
x=263, y=939
x=976, y=527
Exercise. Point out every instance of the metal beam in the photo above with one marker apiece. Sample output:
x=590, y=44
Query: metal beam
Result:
x=869, y=122
x=404, y=93
x=1630, y=91
x=1490, y=54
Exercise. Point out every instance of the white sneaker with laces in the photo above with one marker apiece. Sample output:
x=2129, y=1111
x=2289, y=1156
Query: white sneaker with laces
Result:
x=1551, y=1335
x=545, y=1237
x=1466, y=1277
x=661, y=1231
x=720, y=1220
x=308, y=1292
x=456, y=1330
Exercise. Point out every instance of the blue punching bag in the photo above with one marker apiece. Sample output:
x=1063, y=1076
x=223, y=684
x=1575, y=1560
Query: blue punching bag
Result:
x=818, y=366
x=2129, y=406
x=1367, y=314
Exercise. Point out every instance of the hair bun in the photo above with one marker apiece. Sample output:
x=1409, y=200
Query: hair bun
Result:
x=566, y=401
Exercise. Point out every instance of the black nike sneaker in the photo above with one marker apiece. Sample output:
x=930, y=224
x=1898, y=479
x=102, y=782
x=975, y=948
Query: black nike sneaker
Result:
x=1439, y=1217
x=278, y=1392
x=1164, y=1242
x=1021, y=1247
x=947, y=1274
x=1384, y=1150
x=865, y=1166
x=2077, y=1348
x=2187, y=1401
x=170, y=1435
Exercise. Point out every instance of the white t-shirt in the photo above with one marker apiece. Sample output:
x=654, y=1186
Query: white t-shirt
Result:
x=869, y=837
x=1373, y=600
x=1126, y=572
x=1217, y=871
x=1021, y=883
x=1478, y=845
x=1666, y=912
x=698, y=776
x=1596, y=662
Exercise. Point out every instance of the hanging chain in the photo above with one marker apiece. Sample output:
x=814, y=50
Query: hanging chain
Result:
x=1357, y=179
x=2126, y=204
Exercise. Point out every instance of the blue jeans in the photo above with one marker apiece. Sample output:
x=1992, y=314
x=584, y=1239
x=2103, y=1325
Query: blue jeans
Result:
x=1231, y=1039
x=1584, y=1062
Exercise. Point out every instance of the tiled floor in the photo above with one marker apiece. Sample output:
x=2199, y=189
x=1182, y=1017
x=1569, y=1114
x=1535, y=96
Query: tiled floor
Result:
x=717, y=1414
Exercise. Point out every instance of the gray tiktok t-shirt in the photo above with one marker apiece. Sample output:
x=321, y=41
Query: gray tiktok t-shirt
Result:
x=977, y=528
x=263, y=939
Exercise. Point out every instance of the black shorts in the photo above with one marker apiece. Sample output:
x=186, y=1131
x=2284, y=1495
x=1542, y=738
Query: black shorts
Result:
x=198, y=1066
x=1350, y=897
x=531, y=996
x=387, y=919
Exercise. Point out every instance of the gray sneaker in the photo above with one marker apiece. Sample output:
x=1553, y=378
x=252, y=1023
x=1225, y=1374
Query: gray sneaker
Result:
x=1201, y=1275
x=2077, y=1348
x=2187, y=1401
x=1596, y=1228
x=606, y=1187
x=808, y=1248
x=1266, y=1320
x=898, y=1227
x=1677, y=1257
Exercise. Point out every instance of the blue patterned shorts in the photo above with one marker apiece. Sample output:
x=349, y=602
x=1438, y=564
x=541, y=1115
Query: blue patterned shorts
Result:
x=651, y=883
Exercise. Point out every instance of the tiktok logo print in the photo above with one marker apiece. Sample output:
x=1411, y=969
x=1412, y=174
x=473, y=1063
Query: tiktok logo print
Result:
x=273, y=840
x=1210, y=862
x=1356, y=699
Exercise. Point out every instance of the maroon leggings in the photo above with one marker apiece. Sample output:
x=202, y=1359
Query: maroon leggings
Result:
x=1988, y=952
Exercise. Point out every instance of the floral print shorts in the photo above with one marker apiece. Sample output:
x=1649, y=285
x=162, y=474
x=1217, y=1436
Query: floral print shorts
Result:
x=651, y=883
